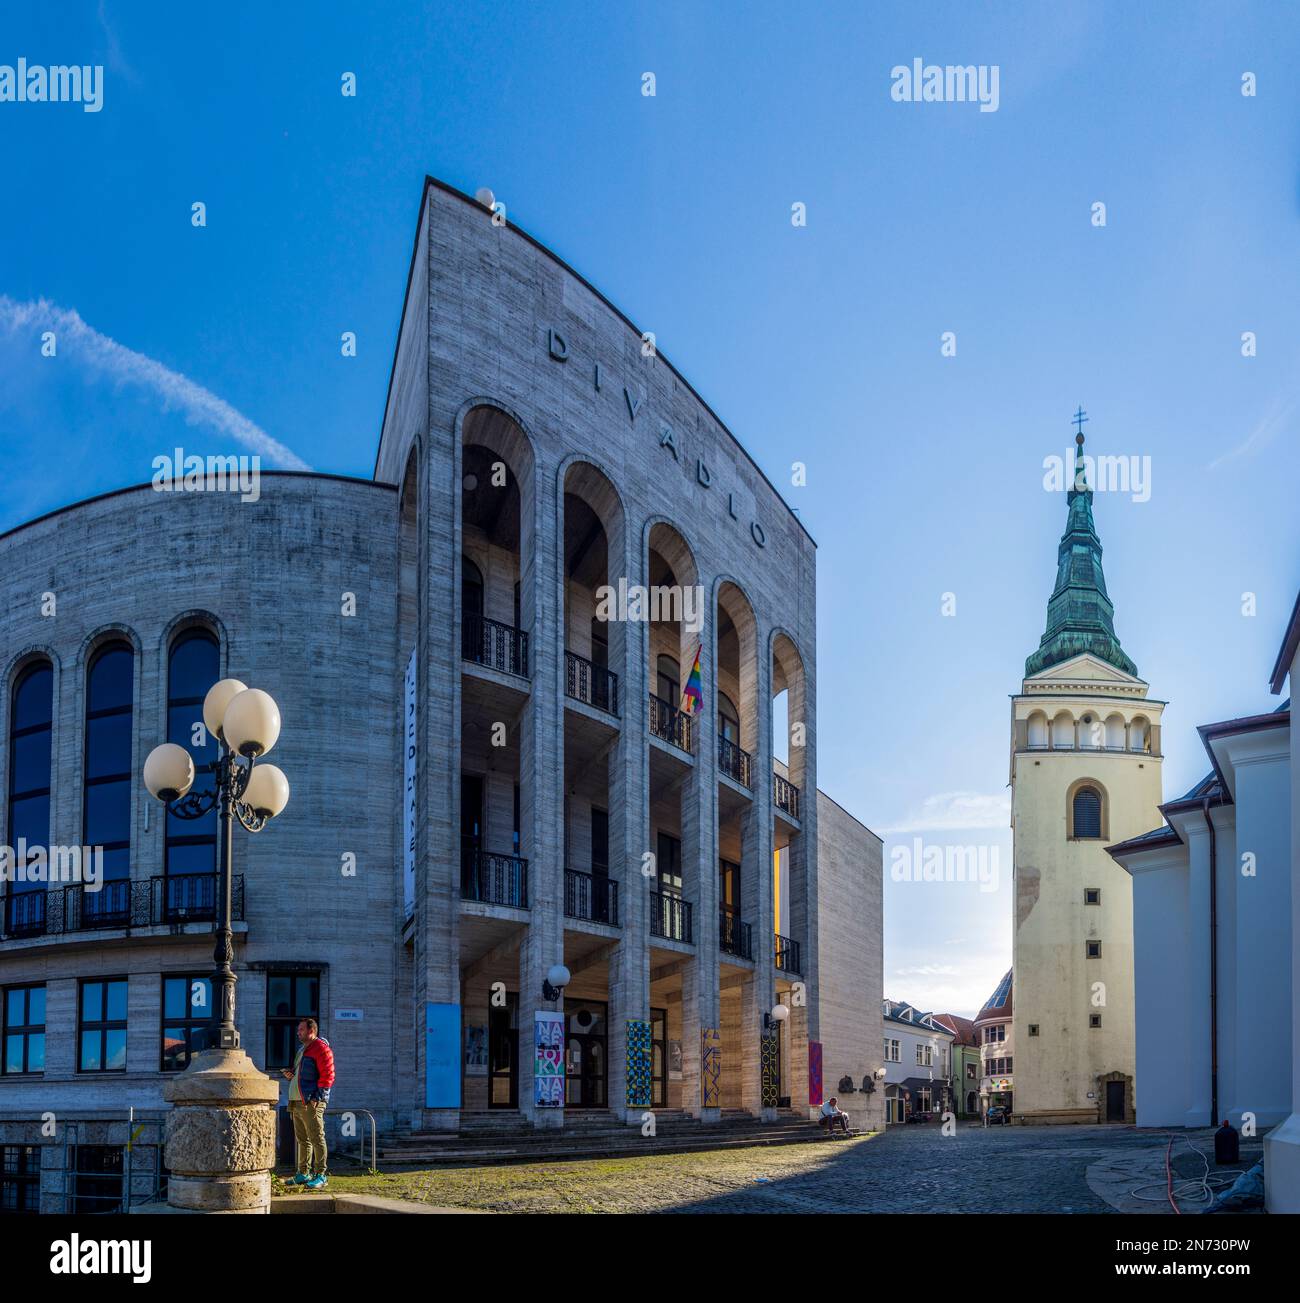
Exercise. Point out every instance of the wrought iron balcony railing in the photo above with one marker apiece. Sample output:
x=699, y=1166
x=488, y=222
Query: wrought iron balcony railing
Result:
x=590, y=684
x=669, y=724
x=735, y=763
x=787, y=954
x=496, y=645
x=590, y=896
x=785, y=795
x=670, y=916
x=493, y=879
x=158, y=901
x=735, y=936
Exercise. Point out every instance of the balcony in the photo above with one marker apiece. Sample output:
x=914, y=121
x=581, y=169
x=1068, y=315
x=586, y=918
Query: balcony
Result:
x=670, y=917
x=493, y=879
x=785, y=795
x=493, y=644
x=159, y=901
x=787, y=955
x=735, y=936
x=738, y=765
x=590, y=684
x=669, y=724
x=590, y=896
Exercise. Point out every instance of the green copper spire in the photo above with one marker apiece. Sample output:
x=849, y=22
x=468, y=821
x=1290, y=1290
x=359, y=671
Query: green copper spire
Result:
x=1080, y=617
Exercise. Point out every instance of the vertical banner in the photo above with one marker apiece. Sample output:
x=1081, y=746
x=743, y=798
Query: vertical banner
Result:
x=640, y=1091
x=441, y=1055
x=769, y=1051
x=408, y=789
x=548, y=1070
x=711, y=1066
x=815, y=1074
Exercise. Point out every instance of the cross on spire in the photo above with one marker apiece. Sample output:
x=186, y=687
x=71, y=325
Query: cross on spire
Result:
x=1079, y=417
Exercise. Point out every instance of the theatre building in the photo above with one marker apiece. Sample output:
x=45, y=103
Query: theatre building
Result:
x=514, y=877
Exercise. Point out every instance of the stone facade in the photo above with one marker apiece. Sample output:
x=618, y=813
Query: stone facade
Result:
x=534, y=449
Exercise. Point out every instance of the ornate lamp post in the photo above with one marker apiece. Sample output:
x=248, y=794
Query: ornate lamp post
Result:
x=220, y=1142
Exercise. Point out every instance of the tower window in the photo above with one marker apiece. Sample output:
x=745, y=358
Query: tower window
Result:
x=1094, y=949
x=1094, y=1020
x=1033, y=1029
x=1086, y=813
x=1092, y=895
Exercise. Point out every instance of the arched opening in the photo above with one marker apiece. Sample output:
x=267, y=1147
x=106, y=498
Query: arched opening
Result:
x=1115, y=732
x=1038, y=732
x=1087, y=813
x=737, y=675
x=107, y=790
x=1063, y=732
x=31, y=722
x=1139, y=738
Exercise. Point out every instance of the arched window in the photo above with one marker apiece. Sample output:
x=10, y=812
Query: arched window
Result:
x=728, y=719
x=193, y=666
x=31, y=718
x=471, y=588
x=668, y=680
x=106, y=800
x=1086, y=813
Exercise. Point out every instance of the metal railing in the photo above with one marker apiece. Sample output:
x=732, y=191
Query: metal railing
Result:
x=670, y=916
x=493, y=879
x=785, y=795
x=162, y=900
x=496, y=645
x=590, y=896
x=669, y=724
x=735, y=763
x=787, y=954
x=735, y=936
x=590, y=683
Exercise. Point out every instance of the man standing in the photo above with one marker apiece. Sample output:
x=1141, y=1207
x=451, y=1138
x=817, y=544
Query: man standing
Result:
x=310, y=1080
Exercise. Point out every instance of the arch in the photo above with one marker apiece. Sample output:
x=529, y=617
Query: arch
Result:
x=1116, y=732
x=1087, y=811
x=676, y=624
x=1091, y=732
x=108, y=776
x=736, y=666
x=1139, y=734
x=789, y=681
x=471, y=587
x=193, y=666
x=1063, y=731
x=31, y=737
x=1038, y=731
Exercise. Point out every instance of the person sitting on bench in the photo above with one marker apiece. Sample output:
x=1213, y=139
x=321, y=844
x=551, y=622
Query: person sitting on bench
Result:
x=831, y=1115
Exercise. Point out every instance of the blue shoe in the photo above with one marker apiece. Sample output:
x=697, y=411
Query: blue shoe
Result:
x=299, y=1178
x=318, y=1182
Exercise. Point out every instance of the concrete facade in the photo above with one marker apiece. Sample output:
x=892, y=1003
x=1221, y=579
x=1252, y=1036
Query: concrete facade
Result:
x=535, y=451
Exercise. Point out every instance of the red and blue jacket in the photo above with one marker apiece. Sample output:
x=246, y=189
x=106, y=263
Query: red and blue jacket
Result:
x=313, y=1072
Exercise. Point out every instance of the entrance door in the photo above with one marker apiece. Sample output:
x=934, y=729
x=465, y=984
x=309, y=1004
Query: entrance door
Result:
x=658, y=1058
x=1114, y=1101
x=586, y=1069
x=503, y=1054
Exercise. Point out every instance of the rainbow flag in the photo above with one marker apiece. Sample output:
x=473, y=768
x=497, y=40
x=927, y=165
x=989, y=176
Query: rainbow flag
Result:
x=693, y=692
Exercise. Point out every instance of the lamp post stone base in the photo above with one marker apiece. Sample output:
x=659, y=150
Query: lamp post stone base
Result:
x=220, y=1138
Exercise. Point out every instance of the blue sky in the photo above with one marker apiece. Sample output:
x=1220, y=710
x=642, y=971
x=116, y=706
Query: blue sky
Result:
x=818, y=344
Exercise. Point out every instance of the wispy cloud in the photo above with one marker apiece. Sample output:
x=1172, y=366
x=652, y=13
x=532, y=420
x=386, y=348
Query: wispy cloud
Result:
x=956, y=810
x=176, y=392
x=1265, y=431
x=928, y=970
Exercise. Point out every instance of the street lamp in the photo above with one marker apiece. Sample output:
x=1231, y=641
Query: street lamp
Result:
x=773, y=1020
x=246, y=723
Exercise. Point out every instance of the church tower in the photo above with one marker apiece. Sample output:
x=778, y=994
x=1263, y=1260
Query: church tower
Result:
x=1085, y=773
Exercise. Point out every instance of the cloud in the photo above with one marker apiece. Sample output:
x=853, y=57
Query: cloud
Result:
x=928, y=970
x=176, y=392
x=957, y=810
x=1265, y=431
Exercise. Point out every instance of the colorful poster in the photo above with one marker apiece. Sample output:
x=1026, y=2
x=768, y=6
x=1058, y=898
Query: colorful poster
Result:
x=639, y=1089
x=711, y=1066
x=769, y=1051
x=441, y=1055
x=548, y=1068
x=815, y=1074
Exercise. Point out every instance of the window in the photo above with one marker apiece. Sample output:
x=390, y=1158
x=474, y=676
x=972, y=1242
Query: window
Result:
x=191, y=844
x=20, y=1178
x=992, y=1035
x=1094, y=1020
x=970, y=1072
x=1094, y=949
x=1092, y=895
x=187, y=1019
x=24, y=1029
x=599, y=842
x=102, y=1026
x=106, y=798
x=290, y=997
x=728, y=720
x=97, y=1179
x=471, y=588
x=925, y=1056
x=1008, y=1067
x=668, y=681
x=1033, y=1029
x=1086, y=822
x=670, y=865
x=729, y=886
x=892, y=1048
x=31, y=716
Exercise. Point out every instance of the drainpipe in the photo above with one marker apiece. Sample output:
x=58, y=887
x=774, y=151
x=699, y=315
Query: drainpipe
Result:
x=1214, y=967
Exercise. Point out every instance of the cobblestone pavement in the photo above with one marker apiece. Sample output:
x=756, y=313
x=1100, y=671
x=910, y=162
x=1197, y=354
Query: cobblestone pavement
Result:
x=907, y=1169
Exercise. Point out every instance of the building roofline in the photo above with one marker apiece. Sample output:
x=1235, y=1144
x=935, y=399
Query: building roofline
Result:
x=1145, y=842
x=1233, y=728
x=848, y=815
x=433, y=182
x=148, y=484
x=1286, y=653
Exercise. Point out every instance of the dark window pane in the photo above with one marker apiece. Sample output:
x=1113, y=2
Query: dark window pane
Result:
x=15, y=1010
x=116, y=1002
x=29, y=819
x=117, y=867
x=92, y=1002
x=31, y=762
x=183, y=860
x=108, y=746
x=194, y=666
x=108, y=812
x=36, y=1052
x=308, y=992
x=13, y=1053
x=34, y=699
x=90, y=1060
x=115, y=1050
x=176, y=991
x=110, y=679
x=277, y=997
x=36, y=1006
